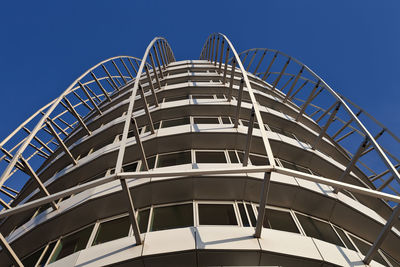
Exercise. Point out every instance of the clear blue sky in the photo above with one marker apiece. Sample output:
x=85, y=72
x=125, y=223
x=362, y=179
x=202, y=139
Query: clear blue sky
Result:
x=45, y=45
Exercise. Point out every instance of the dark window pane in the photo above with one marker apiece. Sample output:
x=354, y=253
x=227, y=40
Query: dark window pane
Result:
x=175, y=98
x=347, y=242
x=112, y=230
x=391, y=260
x=175, y=122
x=174, y=159
x=240, y=155
x=172, y=217
x=130, y=167
x=210, y=157
x=258, y=160
x=364, y=248
x=233, y=157
x=217, y=214
x=203, y=97
x=206, y=120
x=220, y=96
x=33, y=258
x=245, y=123
x=226, y=120
x=47, y=254
x=279, y=220
x=243, y=215
x=150, y=163
x=143, y=219
x=251, y=214
x=318, y=229
x=156, y=125
x=72, y=243
x=288, y=165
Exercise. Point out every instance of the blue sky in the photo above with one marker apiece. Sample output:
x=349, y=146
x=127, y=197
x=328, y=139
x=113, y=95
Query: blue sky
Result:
x=45, y=45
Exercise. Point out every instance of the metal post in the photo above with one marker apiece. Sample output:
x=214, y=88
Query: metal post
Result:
x=151, y=86
x=131, y=211
x=158, y=62
x=90, y=99
x=280, y=74
x=239, y=103
x=139, y=143
x=326, y=126
x=161, y=55
x=263, y=203
x=76, y=115
x=165, y=52
x=310, y=97
x=115, y=86
x=251, y=61
x=39, y=141
x=154, y=71
x=216, y=52
x=95, y=95
x=298, y=90
x=60, y=142
x=221, y=55
x=4, y=204
x=100, y=86
x=82, y=101
x=126, y=68
x=286, y=83
x=353, y=161
x=4, y=244
x=32, y=173
x=345, y=126
x=382, y=235
x=146, y=108
x=226, y=65
x=232, y=80
x=293, y=84
x=119, y=72
x=344, y=136
x=7, y=193
x=133, y=67
x=259, y=62
x=326, y=111
x=270, y=65
x=212, y=49
x=248, y=138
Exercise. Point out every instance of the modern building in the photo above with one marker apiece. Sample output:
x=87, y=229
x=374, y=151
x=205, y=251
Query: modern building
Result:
x=156, y=162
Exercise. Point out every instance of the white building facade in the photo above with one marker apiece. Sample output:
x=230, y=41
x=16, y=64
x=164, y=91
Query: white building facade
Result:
x=156, y=162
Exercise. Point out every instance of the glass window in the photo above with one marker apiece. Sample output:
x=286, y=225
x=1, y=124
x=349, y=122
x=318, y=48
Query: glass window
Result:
x=150, y=163
x=390, y=259
x=251, y=214
x=143, y=219
x=112, y=230
x=217, y=214
x=206, y=120
x=175, y=98
x=319, y=229
x=233, y=157
x=131, y=167
x=172, y=159
x=364, y=248
x=258, y=160
x=72, y=243
x=279, y=220
x=210, y=157
x=220, y=96
x=169, y=217
x=47, y=254
x=291, y=165
x=345, y=239
x=243, y=215
x=203, y=97
x=156, y=125
x=33, y=258
x=226, y=120
x=175, y=122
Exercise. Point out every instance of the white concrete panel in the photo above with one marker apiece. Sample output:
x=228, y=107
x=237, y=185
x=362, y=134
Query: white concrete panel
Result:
x=338, y=255
x=66, y=261
x=168, y=241
x=288, y=243
x=226, y=237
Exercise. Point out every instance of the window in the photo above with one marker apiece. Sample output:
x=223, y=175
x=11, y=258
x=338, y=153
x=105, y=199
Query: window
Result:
x=364, y=247
x=210, y=157
x=258, y=160
x=72, y=243
x=150, y=163
x=319, y=229
x=131, y=167
x=279, y=220
x=217, y=214
x=226, y=120
x=251, y=214
x=202, y=96
x=143, y=219
x=292, y=166
x=233, y=157
x=112, y=230
x=169, y=217
x=345, y=239
x=156, y=126
x=243, y=215
x=206, y=120
x=47, y=254
x=172, y=159
x=33, y=258
x=175, y=122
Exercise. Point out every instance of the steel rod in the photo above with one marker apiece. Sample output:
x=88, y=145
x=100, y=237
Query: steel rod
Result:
x=151, y=86
x=131, y=211
x=161, y=55
x=263, y=203
x=248, y=138
x=232, y=79
x=89, y=97
x=293, y=84
x=126, y=68
x=119, y=72
x=139, y=144
x=158, y=63
x=100, y=86
x=326, y=126
x=280, y=74
x=310, y=97
x=61, y=143
x=221, y=55
x=326, y=112
x=251, y=61
x=114, y=85
x=259, y=62
x=4, y=244
x=270, y=65
x=239, y=103
x=77, y=116
x=216, y=52
x=344, y=136
x=146, y=108
x=155, y=71
x=226, y=65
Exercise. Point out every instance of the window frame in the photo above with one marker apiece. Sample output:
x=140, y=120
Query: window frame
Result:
x=224, y=202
